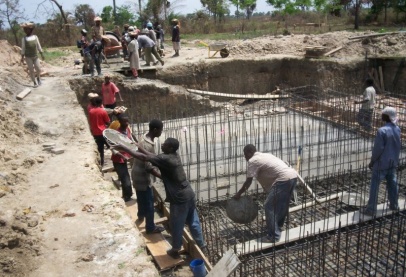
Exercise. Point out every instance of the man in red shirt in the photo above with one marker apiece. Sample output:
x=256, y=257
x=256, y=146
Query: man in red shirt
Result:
x=109, y=91
x=98, y=120
x=120, y=160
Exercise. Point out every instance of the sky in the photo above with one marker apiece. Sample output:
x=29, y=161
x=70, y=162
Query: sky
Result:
x=37, y=13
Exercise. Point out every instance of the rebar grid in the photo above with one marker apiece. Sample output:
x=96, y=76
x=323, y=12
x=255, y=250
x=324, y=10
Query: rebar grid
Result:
x=334, y=158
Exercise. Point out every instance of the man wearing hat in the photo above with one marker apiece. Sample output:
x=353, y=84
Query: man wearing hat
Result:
x=98, y=30
x=30, y=47
x=175, y=37
x=384, y=162
x=84, y=43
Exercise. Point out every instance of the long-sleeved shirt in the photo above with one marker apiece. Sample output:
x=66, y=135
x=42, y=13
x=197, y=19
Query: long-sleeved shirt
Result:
x=145, y=42
x=387, y=145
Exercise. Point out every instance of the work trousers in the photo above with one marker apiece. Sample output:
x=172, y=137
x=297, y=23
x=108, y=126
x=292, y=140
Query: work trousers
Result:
x=364, y=118
x=182, y=214
x=124, y=177
x=33, y=62
x=391, y=186
x=97, y=59
x=88, y=63
x=277, y=206
x=149, y=51
x=145, y=203
x=100, y=141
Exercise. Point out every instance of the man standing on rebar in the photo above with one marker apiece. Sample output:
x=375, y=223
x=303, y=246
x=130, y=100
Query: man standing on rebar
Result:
x=178, y=192
x=141, y=176
x=366, y=111
x=30, y=47
x=278, y=181
x=384, y=162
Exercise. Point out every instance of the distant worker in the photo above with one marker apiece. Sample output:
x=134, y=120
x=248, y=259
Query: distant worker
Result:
x=84, y=43
x=120, y=159
x=108, y=92
x=95, y=49
x=30, y=46
x=278, y=181
x=98, y=120
x=92, y=97
x=141, y=175
x=160, y=40
x=149, y=49
x=178, y=192
x=366, y=111
x=98, y=30
x=124, y=40
x=133, y=54
x=384, y=162
x=176, y=37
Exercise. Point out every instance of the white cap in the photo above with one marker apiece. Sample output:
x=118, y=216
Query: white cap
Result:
x=391, y=112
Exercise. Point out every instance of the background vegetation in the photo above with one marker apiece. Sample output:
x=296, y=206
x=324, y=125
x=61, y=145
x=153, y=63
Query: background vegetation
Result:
x=214, y=21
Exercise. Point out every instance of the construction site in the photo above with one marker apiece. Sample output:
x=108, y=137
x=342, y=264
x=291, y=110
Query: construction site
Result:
x=301, y=109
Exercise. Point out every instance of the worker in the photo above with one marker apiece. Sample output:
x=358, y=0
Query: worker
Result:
x=124, y=42
x=133, y=54
x=120, y=159
x=176, y=36
x=160, y=40
x=98, y=120
x=30, y=46
x=84, y=43
x=384, y=162
x=98, y=30
x=108, y=92
x=366, y=111
x=278, y=181
x=178, y=192
x=141, y=176
x=95, y=51
x=149, y=49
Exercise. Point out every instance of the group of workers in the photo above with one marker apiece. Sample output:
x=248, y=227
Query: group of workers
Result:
x=166, y=166
x=146, y=43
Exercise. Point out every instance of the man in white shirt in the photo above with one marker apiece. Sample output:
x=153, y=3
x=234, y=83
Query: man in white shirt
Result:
x=278, y=181
x=366, y=111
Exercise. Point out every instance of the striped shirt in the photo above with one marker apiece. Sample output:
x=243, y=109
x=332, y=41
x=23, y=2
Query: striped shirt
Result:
x=140, y=172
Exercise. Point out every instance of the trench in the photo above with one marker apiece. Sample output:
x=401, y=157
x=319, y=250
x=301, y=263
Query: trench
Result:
x=317, y=116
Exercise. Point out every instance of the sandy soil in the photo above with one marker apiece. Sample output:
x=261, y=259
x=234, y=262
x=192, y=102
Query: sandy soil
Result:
x=43, y=229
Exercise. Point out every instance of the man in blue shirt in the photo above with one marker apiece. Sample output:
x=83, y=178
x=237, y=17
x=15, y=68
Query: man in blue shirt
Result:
x=384, y=162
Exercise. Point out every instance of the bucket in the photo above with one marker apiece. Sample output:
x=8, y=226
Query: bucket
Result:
x=197, y=267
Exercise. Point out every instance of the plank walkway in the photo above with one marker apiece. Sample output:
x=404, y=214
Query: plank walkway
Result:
x=317, y=227
x=156, y=243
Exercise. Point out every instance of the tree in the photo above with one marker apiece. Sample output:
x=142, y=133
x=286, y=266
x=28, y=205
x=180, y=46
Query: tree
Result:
x=11, y=12
x=247, y=5
x=124, y=15
x=84, y=15
x=218, y=8
x=107, y=14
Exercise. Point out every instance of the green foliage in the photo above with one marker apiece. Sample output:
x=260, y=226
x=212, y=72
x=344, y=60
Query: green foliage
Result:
x=84, y=15
x=124, y=15
x=107, y=14
x=51, y=55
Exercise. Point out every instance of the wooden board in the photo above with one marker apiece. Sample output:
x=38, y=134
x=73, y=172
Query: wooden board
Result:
x=23, y=93
x=156, y=243
x=333, y=51
x=227, y=264
x=237, y=96
x=314, y=228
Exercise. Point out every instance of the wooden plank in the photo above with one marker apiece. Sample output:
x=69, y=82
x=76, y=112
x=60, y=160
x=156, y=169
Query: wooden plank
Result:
x=227, y=264
x=156, y=243
x=333, y=51
x=23, y=93
x=381, y=78
x=237, y=96
x=317, y=227
x=374, y=35
x=320, y=200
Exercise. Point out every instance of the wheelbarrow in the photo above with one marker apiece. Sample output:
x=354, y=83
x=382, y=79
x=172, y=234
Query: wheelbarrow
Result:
x=216, y=47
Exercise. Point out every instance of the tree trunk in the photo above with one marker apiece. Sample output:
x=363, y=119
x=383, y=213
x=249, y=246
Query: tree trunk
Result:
x=139, y=7
x=356, y=21
x=65, y=20
x=114, y=12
